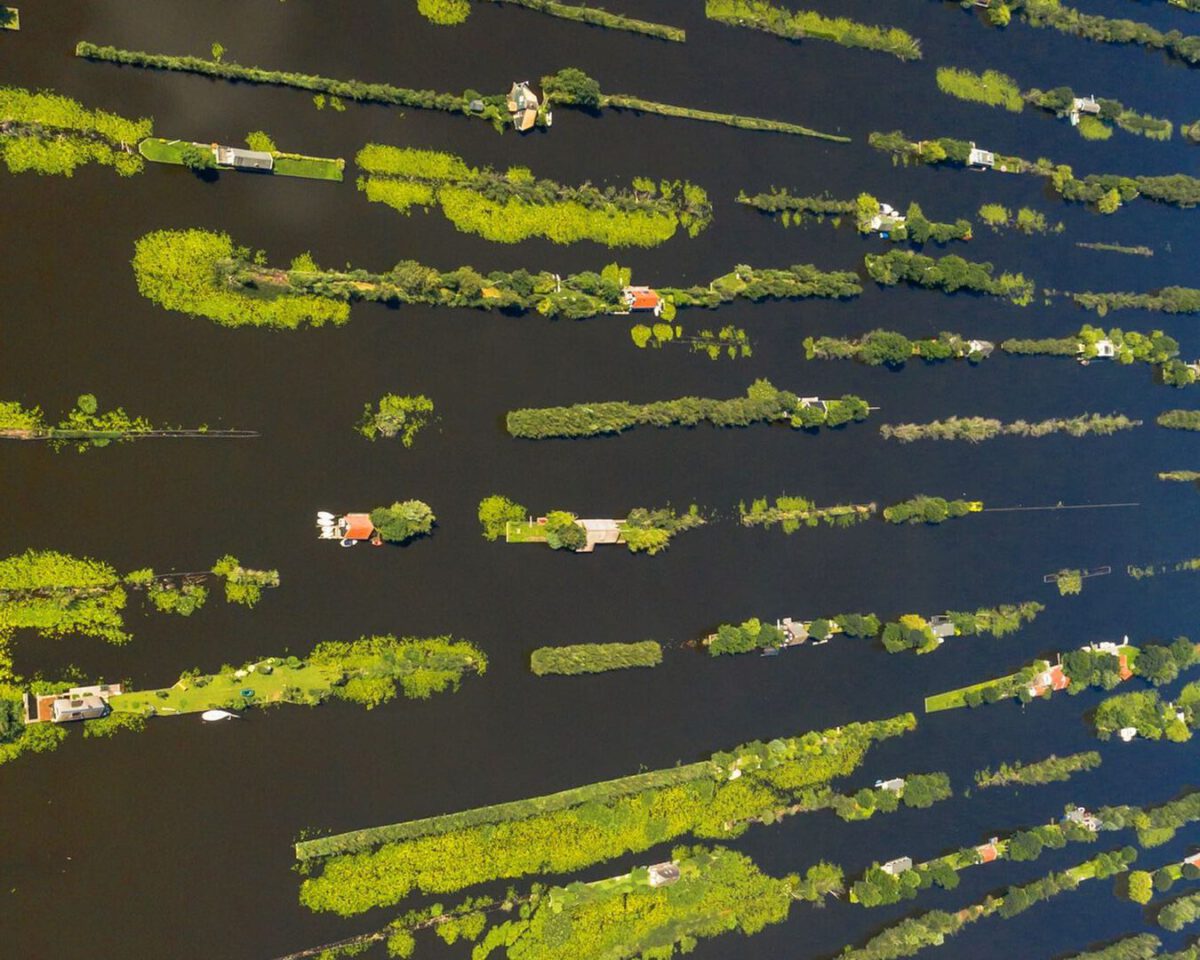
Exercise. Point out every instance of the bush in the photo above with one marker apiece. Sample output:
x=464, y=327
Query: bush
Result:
x=496, y=513
x=595, y=657
x=403, y=520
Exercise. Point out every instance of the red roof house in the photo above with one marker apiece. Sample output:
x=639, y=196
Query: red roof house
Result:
x=987, y=851
x=359, y=526
x=1123, y=668
x=642, y=298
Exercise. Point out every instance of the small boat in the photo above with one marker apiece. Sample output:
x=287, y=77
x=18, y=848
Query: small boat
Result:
x=208, y=716
x=325, y=515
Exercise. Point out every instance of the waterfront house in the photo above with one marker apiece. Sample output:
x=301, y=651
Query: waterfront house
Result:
x=982, y=347
x=980, y=158
x=988, y=851
x=523, y=105
x=240, y=159
x=1082, y=105
x=1052, y=678
x=897, y=866
x=1082, y=817
x=942, y=627
x=1193, y=860
x=663, y=874
x=476, y=106
x=599, y=531
x=77, y=703
x=895, y=785
x=89, y=707
x=358, y=526
x=796, y=631
x=642, y=298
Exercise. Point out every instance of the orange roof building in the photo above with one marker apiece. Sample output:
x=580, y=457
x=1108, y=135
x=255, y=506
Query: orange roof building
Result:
x=1051, y=679
x=358, y=526
x=642, y=298
x=1123, y=667
x=987, y=851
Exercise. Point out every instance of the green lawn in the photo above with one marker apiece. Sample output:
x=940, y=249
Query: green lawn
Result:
x=524, y=531
x=159, y=150
x=953, y=699
x=224, y=690
x=312, y=168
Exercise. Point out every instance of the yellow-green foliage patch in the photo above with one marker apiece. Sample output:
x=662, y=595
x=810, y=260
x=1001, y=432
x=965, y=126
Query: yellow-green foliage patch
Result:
x=444, y=12
x=513, y=205
x=991, y=87
x=179, y=270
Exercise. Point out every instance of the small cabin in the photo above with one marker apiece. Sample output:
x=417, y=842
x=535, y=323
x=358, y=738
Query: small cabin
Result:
x=642, y=298
x=897, y=866
x=523, y=105
x=980, y=158
x=895, y=785
x=357, y=526
x=599, y=531
x=982, y=347
x=241, y=159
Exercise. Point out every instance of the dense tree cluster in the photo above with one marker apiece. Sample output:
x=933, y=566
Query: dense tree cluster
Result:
x=594, y=657
x=763, y=403
x=791, y=513
x=926, y=509
x=949, y=273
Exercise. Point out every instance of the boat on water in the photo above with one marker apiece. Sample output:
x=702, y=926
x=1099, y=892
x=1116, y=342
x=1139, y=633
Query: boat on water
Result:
x=208, y=716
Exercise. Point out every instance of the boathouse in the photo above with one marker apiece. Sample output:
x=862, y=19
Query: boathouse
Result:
x=942, y=627
x=599, y=531
x=1087, y=105
x=241, y=159
x=897, y=866
x=523, y=105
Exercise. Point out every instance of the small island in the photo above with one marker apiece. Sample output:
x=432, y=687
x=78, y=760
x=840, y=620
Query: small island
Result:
x=514, y=205
x=763, y=403
x=582, y=658
x=643, y=530
x=261, y=157
x=85, y=426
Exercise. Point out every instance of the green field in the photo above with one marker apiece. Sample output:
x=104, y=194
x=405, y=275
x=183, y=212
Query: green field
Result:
x=159, y=150
x=524, y=532
x=224, y=690
x=952, y=699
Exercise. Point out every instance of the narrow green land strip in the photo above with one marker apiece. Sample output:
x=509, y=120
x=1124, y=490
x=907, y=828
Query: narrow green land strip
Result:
x=160, y=150
x=810, y=25
x=365, y=671
x=621, y=101
x=602, y=18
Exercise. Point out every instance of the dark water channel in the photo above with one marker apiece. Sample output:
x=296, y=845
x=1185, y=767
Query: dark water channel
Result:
x=176, y=842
